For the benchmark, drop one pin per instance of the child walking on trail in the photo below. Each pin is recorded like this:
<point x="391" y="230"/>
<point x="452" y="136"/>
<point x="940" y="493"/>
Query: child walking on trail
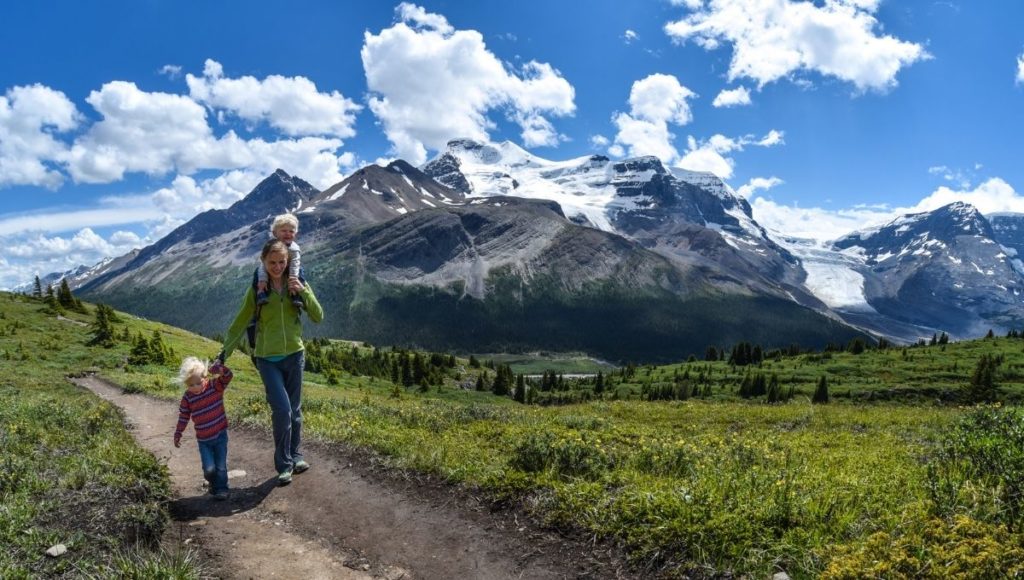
<point x="284" y="228"/>
<point x="203" y="402"/>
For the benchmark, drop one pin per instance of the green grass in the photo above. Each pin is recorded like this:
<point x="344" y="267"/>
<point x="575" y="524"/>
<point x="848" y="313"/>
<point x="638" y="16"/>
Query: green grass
<point x="919" y="374"/>
<point x="858" y="488"/>
<point x="69" y="471"/>
<point x="537" y="363"/>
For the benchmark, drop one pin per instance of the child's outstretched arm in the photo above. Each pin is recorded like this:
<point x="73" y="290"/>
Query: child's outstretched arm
<point x="184" y="413"/>
<point x="224" y="375"/>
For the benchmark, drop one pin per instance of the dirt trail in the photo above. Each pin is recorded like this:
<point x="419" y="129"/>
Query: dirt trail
<point x="337" y="520"/>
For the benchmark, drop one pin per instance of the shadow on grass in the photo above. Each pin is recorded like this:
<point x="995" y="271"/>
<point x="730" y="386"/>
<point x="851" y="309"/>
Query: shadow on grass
<point x="242" y="499"/>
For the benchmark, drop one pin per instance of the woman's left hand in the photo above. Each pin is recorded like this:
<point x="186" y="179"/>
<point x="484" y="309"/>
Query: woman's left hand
<point x="294" y="285"/>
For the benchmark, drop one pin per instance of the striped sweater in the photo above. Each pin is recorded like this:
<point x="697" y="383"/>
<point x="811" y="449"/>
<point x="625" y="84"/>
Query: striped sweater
<point x="205" y="408"/>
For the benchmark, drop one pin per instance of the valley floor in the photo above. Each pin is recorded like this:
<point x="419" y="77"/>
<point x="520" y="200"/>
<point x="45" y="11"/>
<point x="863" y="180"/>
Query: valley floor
<point x="341" y="519"/>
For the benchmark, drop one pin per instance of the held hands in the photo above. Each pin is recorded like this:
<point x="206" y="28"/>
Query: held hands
<point x="294" y="285"/>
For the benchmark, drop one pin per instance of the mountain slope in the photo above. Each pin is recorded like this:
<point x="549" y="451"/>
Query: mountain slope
<point x="396" y="257"/>
<point x="941" y="269"/>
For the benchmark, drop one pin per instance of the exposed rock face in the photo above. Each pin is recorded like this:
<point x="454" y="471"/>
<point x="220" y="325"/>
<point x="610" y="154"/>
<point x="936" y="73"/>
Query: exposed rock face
<point x="942" y="269"/>
<point x="395" y="257"/>
<point x="496" y="227"/>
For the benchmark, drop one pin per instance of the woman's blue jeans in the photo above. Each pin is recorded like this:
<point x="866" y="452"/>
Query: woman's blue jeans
<point x="214" y="455"/>
<point x="282" y="381"/>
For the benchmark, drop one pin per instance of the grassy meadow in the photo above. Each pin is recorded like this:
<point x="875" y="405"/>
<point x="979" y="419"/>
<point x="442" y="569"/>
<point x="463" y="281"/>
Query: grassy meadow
<point x="894" y="478"/>
<point x="69" y="471"/>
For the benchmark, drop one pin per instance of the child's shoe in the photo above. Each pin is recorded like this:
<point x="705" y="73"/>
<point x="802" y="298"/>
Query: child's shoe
<point x="297" y="302"/>
<point x="262" y="299"/>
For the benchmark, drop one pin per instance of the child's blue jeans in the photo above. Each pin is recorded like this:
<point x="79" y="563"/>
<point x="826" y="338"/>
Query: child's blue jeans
<point x="214" y="455"/>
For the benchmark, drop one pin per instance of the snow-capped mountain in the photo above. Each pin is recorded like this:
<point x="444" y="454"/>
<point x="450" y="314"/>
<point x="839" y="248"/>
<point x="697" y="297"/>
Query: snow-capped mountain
<point x="398" y="258"/>
<point x="691" y="217"/>
<point x="1008" y="229"/>
<point x="488" y="244"/>
<point x="941" y="269"/>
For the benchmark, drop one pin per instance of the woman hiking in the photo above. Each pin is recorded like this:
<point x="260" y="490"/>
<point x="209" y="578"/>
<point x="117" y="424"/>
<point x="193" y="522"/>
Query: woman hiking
<point x="279" y="353"/>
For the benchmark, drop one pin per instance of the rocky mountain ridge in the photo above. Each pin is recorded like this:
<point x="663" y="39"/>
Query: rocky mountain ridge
<point x="487" y="229"/>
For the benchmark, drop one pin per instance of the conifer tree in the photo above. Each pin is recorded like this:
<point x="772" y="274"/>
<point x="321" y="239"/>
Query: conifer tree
<point x="821" y="396"/>
<point x="64" y="297"/>
<point x="102" y="330"/>
<point x="158" y="352"/>
<point x="982" y="388"/>
<point x="139" y="355"/>
<point x="50" y="300"/>
<point x="774" y="392"/>
<point x="747" y="386"/>
<point x="37" y="289"/>
<point x="599" y="384"/>
<point x="503" y="379"/>
<point x="407" y="377"/>
<point x="519" y="394"/>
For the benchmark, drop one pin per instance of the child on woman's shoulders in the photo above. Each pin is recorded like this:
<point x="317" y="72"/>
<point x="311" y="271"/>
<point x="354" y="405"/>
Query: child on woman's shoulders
<point x="285" y="227"/>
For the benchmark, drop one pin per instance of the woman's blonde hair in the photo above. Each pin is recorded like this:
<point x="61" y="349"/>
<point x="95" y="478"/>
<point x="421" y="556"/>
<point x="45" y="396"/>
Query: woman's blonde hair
<point x="273" y="247"/>
<point x="191" y="367"/>
<point x="285" y="219"/>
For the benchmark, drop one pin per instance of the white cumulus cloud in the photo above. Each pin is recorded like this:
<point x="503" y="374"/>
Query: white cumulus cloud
<point x="773" y="39"/>
<point x="711" y="154"/>
<point x="422" y="54"/>
<point x="654" y="102"/>
<point x="1020" y="69"/>
<point x="152" y="133"/>
<point x="30" y="116"/>
<point x="757" y="184"/>
<point x="292" y="105"/>
<point x="737" y="97"/>
<point x="992" y="196"/>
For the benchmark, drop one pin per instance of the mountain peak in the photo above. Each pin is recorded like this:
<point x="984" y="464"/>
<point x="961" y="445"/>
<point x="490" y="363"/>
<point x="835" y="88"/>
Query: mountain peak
<point x="916" y="232"/>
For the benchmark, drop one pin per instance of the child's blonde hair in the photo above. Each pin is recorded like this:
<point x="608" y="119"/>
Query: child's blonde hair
<point x="191" y="367"/>
<point x="285" y="219"/>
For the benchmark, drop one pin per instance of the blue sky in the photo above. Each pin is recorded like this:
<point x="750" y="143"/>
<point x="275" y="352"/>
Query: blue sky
<point x="121" y="120"/>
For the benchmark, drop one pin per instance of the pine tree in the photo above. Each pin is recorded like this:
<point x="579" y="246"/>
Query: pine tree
<point x="747" y="386"/>
<point x="64" y="297"/>
<point x="102" y="330"/>
<point x="158" y="352"/>
<point x="407" y="378"/>
<point x="50" y="300"/>
<point x="37" y="289"/>
<point x="599" y="384"/>
<point x="774" y="392"/>
<point x="519" y="394"/>
<point x="821" y="393"/>
<point x="503" y="379"/>
<point x="982" y="388"/>
<point x="856" y="346"/>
